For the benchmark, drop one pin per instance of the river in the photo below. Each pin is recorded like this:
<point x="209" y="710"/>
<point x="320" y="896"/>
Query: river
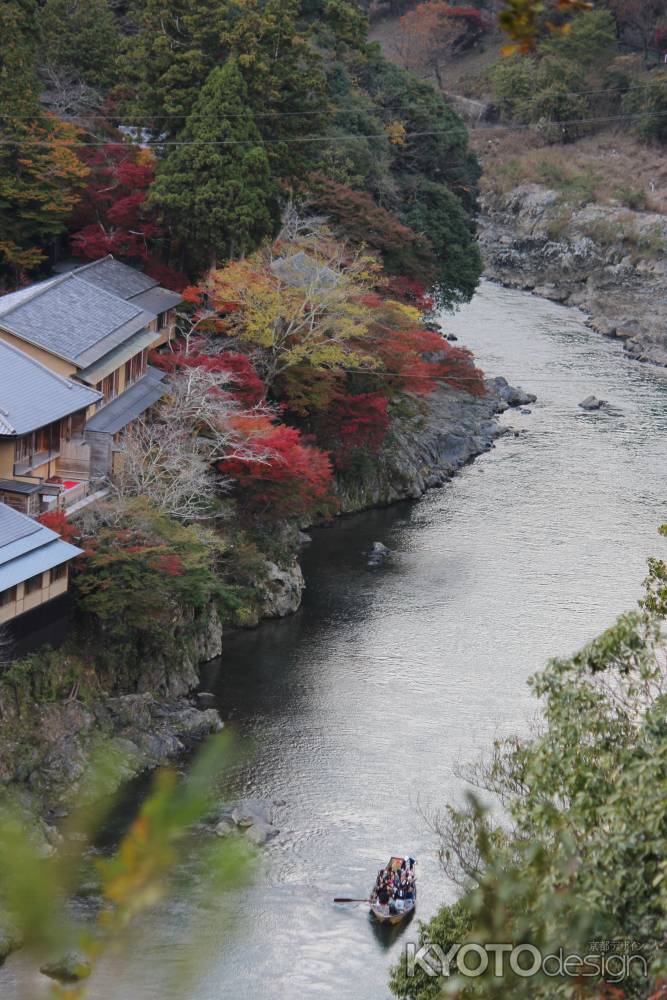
<point x="363" y="704"/>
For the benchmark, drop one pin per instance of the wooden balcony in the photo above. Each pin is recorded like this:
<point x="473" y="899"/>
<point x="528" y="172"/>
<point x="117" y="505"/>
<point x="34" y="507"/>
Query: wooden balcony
<point x="74" y="460"/>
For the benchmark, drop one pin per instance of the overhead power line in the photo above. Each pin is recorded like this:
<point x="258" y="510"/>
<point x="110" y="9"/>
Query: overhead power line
<point x="335" y="138"/>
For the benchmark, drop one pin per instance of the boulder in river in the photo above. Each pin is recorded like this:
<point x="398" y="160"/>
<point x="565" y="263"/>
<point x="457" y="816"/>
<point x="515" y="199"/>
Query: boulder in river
<point x="509" y="394"/>
<point x="205" y="699"/>
<point x="262" y="833"/>
<point x="10" y="940"/>
<point x="251" y="818"/>
<point x="70" y="968"/>
<point x="379" y="554"/>
<point x="225" y="827"/>
<point x="248" y="813"/>
<point x="592" y="403"/>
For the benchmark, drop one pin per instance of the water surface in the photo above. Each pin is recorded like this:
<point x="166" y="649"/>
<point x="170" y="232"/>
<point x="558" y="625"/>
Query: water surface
<point x="363" y="704"/>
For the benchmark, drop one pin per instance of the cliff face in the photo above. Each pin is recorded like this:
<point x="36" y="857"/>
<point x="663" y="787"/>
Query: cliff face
<point x="607" y="260"/>
<point x="425" y="448"/>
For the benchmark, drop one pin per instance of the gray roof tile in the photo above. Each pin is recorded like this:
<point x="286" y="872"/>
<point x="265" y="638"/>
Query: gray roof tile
<point x="116" y="277"/>
<point x="84" y="313"/>
<point x="129" y="405"/>
<point x="16" y="527"/>
<point x="71" y="317"/>
<point x="31" y="395"/>
<point x="28" y="548"/>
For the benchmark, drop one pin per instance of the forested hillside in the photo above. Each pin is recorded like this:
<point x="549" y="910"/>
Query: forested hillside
<point x="170" y="133"/>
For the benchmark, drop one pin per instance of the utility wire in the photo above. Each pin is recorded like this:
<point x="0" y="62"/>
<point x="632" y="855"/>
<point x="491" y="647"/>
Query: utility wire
<point x="334" y="138"/>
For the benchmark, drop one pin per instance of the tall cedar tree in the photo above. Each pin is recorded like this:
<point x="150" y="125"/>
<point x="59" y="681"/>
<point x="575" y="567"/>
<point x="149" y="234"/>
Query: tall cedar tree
<point x="40" y="173"/>
<point x="215" y="190"/>
<point x="178" y="42"/>
<point x="81" y="38"/>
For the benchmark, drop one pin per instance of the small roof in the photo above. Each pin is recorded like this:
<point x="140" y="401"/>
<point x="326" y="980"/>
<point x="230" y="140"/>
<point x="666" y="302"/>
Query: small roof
<point x="115" y="277"/>
<point x="84" y="313"/>
<point x="28" y="548"/>
<point x="100" y="369"/>
<point x="157" y="300"/>
<point x="302" y="271"/>
<point x="18" y="486"/>
<point x="32" y="395"/>
<point x="72" y="319"/>
<point x="129" y="405"/>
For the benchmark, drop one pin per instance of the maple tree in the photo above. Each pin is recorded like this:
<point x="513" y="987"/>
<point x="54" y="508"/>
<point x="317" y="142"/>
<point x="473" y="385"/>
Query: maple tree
<point x="359" y="218"/>
<point x="354" y="423"/>
<point x="58" y="521"/>
<point x="244" y="382"/>
<point x="295" y="480"/>
<point x="113" y="215"/>
<point x="298" y="302"/>
<point x="433" y="32"/>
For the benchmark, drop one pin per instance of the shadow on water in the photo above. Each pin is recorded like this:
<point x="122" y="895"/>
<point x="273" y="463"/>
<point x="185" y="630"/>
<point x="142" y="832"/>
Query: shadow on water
<point x="386" y="935"/>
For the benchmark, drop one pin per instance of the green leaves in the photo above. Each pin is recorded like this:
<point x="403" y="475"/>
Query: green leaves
<point x="580" y="851"/>
<point x="141" y="873"/>
<point x="215" y="190"/>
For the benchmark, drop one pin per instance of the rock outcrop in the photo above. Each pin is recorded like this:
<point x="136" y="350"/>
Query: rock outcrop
<point x="606" y="259"/>
<point x="447" y="429"/>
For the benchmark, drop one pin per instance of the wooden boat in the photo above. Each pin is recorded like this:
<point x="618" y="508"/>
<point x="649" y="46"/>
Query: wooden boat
<point x="396" y="910"/>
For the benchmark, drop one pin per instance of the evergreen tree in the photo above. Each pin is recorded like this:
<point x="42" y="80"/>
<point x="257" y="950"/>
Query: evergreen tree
<point x="215" y="190"/>
<point x="177" y="43"/>
<point x="40" y="173"/>
<point x="80" y="37"/>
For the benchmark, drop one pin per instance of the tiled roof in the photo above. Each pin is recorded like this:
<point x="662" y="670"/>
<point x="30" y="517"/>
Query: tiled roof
<point x="18" y="532"/>
<point x="83" y="314"/>
<point x="129" y="405"/>
<point x="31" y="395"/>
<point x="28" y="548"/>
<point x="116" y="277"/>
<point x="157" y="300"/>
<point x="45" y="557"/>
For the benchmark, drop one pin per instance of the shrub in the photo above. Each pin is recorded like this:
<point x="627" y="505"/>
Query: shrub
<point x="634" y="198"/>
<point x="57" y="521"/>
<point x="649" y="105"/>
<point x="140" y="572"/>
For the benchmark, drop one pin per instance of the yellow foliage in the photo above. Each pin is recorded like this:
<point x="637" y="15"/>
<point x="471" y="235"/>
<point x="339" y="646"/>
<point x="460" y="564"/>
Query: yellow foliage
<point x="397" y="132"/>
<point x="299" y="301"/>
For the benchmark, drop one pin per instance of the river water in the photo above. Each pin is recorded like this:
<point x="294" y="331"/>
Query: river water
<point x="362" y="706"/>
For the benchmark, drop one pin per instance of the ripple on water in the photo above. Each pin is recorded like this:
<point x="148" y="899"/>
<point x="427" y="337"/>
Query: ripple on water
<point x="366" y="702"/>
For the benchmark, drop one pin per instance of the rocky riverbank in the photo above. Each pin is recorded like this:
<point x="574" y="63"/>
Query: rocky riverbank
<point x="45" y="747"/>
<point x="606" y="259"/>
<point x="432" y="438"/>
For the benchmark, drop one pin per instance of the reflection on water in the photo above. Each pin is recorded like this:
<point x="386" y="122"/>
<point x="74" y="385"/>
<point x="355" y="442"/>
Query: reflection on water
<point x="359" y="707"/>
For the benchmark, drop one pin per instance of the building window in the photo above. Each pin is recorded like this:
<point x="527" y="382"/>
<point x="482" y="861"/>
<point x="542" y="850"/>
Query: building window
<point x="33" y="584"/>
<point x="72" y="427"/>
<point x="109" y="386"/>
<point x="7" y="597"/>
<point x="31" y="449"/>
<point x="58" y="572"/>
<point x="135" y="367"/>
